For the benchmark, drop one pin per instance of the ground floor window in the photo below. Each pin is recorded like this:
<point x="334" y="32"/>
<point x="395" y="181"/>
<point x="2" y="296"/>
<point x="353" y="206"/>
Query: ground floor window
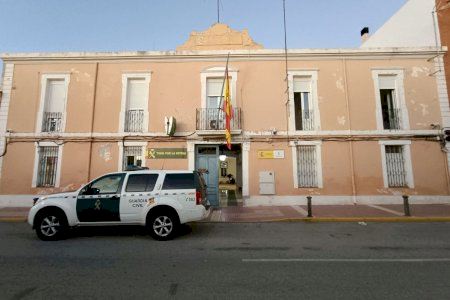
<point x="132" y="156"/>
<point x="47" y="166"/>
<point x="395" y="166"/>
<point x="307" y="168"/>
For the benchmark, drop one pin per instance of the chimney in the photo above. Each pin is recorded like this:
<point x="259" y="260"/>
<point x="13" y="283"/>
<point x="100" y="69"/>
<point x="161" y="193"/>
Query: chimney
<point x="364" y="34"/>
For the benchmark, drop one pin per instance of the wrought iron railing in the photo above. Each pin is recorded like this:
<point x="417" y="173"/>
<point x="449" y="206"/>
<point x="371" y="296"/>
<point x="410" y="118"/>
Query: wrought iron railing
<point x="52" y="122"/>
<point x="134" y="120"/>
<point x="214" y="119"/>
<point x="48" y="163"/>
<point x="308" y="120"/>
<point x="391" y="119"/>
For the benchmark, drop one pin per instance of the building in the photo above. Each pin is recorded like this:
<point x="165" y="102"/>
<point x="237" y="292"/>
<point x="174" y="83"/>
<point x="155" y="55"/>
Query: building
<point x="348" y="126"/>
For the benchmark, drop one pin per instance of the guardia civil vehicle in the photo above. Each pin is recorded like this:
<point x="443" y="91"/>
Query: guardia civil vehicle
<point x="160" y="200"/>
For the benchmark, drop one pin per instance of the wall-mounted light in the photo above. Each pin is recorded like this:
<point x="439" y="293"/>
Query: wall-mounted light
<point x="222" y="157"/>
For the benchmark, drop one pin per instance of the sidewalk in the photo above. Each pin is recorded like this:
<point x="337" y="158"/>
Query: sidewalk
<point x="293" y="213"/>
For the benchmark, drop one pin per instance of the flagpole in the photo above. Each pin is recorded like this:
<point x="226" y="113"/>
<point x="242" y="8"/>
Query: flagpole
<point x="221" y="92"/>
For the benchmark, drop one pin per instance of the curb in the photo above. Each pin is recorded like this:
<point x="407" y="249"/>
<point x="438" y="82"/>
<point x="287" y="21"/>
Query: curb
<point x="365" y="219"/>
<point x="13" y="219"/>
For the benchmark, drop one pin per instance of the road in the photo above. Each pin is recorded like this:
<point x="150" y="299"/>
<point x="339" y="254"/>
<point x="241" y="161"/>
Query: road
<point x="231" y="261"/>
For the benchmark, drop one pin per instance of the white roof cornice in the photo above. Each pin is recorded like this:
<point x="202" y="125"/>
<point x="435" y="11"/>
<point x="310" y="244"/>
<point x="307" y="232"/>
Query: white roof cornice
<point x="212" y="54"/>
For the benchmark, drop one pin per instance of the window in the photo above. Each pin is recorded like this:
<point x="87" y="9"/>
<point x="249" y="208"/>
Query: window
<point x="391" y="108"/>
<point x="304" y="111"/>
<point x="135" y="92"/>
<point x="53" y="103"/>
<point x="141" y="182"/>
<point x="47" y="166"/>
<point x="132" y="156"/>
<point x="209" y="115"/>
<point x="109" y="184"/>
<point x="395" y="166"/>
<point x="307" y="166"/>
<point x="396" y="163"/>
<point x="303" y="101"/>
<point x="179" y="181"/>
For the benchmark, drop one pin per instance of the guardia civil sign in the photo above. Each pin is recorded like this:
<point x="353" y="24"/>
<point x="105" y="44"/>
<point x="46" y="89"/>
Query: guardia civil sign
<point x="162" y="153"/>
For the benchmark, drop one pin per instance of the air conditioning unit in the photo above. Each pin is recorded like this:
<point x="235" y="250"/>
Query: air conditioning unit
<point x="213" y="124"/>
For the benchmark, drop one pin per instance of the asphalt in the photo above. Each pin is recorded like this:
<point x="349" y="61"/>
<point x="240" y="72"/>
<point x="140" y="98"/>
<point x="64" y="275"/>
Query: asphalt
<point x="231" y="260"/>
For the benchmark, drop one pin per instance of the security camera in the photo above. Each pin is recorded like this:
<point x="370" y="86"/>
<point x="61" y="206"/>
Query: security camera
<point x="435" y="126"/>
<point x="274" y="131"/>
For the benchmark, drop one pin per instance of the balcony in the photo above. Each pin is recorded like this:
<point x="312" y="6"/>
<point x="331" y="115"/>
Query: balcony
<point x="52" y="122"/>
<point x="391" y="119"/>
<point x="212" y="120"/>
<point x="134" y="120"/>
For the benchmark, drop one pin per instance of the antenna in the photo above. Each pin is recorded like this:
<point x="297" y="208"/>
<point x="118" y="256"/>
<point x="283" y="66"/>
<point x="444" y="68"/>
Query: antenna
<point x="218" y="12"/>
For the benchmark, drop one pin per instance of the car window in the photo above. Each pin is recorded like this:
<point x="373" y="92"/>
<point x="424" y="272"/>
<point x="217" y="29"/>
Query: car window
<point x="179" y="181"/>
<point x="109" y="184"/>
<point x="141" y="182"/>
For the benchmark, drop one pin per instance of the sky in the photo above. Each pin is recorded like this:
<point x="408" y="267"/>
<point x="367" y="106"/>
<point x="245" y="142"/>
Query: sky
<point x="129" y="25"/>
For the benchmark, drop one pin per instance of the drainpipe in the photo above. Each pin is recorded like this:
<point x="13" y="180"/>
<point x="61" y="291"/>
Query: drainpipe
<point x="347" y="102"/>
<point x="92" y="122"/>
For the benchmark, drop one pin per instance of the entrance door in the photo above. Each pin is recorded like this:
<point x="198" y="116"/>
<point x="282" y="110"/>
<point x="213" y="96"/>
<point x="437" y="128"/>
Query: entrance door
<point x="99" y="201"/>
<point x="207" y="157"/>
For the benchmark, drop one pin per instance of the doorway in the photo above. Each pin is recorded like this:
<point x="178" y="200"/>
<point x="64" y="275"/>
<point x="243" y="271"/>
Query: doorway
<point x="224" y="176"/>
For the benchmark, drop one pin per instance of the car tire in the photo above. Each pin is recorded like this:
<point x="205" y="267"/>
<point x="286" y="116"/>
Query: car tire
<point x="162" y="225"/>
<point x="51" y="225"/>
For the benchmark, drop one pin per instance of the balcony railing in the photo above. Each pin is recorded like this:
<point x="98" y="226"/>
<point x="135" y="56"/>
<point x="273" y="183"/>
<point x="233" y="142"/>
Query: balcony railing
<point x="52" y="122"/>
<point x="391" y="119"/>
<point x="134" y="120"/>
<point x="307" y="120"/>
<point x="214" y="119"/>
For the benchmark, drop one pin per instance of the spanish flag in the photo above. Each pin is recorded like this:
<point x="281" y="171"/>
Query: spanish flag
<point x="228" y="109"/>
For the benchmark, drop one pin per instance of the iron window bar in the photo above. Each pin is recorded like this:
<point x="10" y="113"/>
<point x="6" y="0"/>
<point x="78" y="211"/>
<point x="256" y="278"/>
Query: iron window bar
<point x="52" y="122"/>
<point x="134" y="120"/>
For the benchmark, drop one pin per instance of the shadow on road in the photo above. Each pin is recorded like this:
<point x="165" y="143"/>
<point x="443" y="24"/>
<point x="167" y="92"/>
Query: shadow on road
<point x="119" y="231"/>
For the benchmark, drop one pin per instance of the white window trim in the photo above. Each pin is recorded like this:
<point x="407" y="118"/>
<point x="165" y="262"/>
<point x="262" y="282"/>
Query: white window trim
<point x="313" y="74"/>
<point x="126" y="144"/>
<point x="399" y="95"/>
<point x="44" y="80"/>
<point x="36" y="162"/>
<point x="218" y="72"/>
<point x="318" y="145"/>
<point x="407" y="157"/>
<point x="123" y="103"/>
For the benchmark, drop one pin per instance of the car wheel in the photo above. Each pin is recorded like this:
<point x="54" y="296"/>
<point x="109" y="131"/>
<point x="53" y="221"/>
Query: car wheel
<point x="162" y="225"/>
<point x="51" y="225"/>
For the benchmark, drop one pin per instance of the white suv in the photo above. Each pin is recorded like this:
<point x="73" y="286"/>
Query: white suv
<point x="159" y="200"/>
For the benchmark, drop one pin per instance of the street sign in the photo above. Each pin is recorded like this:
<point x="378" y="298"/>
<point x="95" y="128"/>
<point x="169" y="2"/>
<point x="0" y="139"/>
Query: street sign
<point x="162" y="153"/>
<point x="270" y="154"/>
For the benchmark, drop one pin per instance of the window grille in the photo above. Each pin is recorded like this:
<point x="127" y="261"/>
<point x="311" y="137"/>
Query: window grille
<point x="132" y="156"/>
<point x="51" y="122"/>
<point x="48" y="163"/>
<point x="307" y="166"/>
<point x="134" y="120"/>
<point x="395" y="166"/>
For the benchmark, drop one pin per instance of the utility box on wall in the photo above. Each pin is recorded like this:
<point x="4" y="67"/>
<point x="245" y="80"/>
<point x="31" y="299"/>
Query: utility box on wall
<point x="266" y="183"/>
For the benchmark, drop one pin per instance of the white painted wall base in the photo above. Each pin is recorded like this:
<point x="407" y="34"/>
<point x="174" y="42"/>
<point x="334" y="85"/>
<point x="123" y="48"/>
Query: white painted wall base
<point x="342" y="200"/>
<point x="17" y="200"/>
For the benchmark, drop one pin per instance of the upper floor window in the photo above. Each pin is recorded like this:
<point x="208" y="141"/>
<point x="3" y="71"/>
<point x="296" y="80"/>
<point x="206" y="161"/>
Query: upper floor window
<point x="391" y="108"/>
<point x="304" y="111"/>
<point x="303" y="105"/>
<point x="52" y="108"/>
<point x="134" y="113"/>
<point x="210" y="116"/>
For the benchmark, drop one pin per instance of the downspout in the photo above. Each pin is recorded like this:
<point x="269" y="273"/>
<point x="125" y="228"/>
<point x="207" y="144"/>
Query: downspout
<point x="347" y="102"/>
<point x="92" y="122"/>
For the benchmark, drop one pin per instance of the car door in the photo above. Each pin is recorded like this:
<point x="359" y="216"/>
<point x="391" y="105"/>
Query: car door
<point x="99" y="201"/>
<point x="137" y="195"/>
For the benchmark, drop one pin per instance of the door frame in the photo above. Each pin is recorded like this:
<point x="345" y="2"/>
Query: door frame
<point x="245" y="149"/>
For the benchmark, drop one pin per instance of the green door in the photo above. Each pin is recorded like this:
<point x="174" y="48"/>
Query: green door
<point x="99" y="201"/>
